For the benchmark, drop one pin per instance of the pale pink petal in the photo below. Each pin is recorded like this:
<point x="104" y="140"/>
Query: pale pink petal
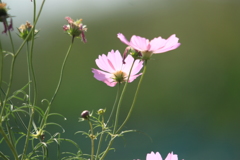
<point x="139" y="43"/>
<point x="128" y="63"/>
<point x="123" y="39"/>
<point x="103" y="63"/>
<point x="171" y="43"/>
<point x="103" y="76"/>
<point x="137" y="67"/>
<point x="116" y="59"/>
<point x="157" y="43"/>
<point x="171" y="156"/>
<point x="133" y="77"/>
<point x="153" y="156"/>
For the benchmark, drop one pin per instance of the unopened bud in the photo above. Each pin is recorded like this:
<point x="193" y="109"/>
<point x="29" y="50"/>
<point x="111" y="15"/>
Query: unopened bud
<point x="101" y="111"/>
<point x="85" y="114"/>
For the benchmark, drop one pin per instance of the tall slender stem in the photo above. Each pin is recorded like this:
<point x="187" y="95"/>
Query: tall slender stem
<point x="11" y="146"/>
<point x="61" y="74"/>
<point x="121" y="98"/>
<point x="92" y="137"/>
<point x="31" y="110"/>
<point x="29" y="74"/>
<point x="31" y="56"/>
<point x="135" y="97"/>
<point x="107" y="149"/>
<point x="115" y="102"/>
<point x="117" y="113"/>
<point x="14" y="58"/>
<point x="100" y="139"/>
<point x="1" y="70"/>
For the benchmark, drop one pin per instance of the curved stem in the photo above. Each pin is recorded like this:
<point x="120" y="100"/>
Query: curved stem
<point x="100" y="139"/>
<point x="31" y="54"/>
<point x="92" y="137"/>
<point x="115" y="102"/>
<point x="29" y="74"/>
<point x="11" y="146"/>
<point x="13" y="61"/>
<point x="1" y="69"/>
<point x="107" y="149"/>
<point x="121" y="98"/>
<point x="31" y="110"/>
<point x="61" y="74"/>
<point x="135" y="97"/>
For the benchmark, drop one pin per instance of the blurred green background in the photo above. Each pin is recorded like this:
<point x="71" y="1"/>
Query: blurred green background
<point x="190" y="97"/>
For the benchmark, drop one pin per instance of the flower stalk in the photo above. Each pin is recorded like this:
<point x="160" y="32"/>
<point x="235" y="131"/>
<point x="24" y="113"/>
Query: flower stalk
<point x="135" y="98"/>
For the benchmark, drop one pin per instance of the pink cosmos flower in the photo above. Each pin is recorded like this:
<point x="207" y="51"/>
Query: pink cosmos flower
<point x="113" y="71"/>
<point x="157" y="156"/>
<point x="147" y="48"/>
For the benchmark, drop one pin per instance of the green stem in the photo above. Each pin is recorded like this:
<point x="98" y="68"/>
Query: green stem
<point x="31" y="110"/>
<point x="11" y="146"/>
<point x="100" y="139"/>
<point x="117" y="114"/>
<point x="92" y="137"/>
<point x="121" y="98"/>
<point x="1" y="70"/>
<point x="13" y="62"/>
<point x="1" y="62"/>
<point x="135" y="97"/>
<point x="107" y="149"/>
<point x="31" y="55"/>
<point x="29" y="74"/>
<point x="115" y="102"/>
<point x="61" y="74"/>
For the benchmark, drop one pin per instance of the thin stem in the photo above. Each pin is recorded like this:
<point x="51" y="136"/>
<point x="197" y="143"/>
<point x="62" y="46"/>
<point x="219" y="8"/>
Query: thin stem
<point x="11" y="146"/>
<point x="117" y="113"/>
<point x="31" y="110"/>
<point x="1" y="70"/>
<point x="1" y="63"/>
<point x="121" y="98"/>
<point x="115" y="102"/>
<point x="13" y="61"/>
<point x="61" y="74"/>
<point x="92" y="137"/>
<point x="8" y="88"/>
<point x="100" y="139"/>
<point x="31" y="55"/>
<point x="29" y="74"/>
<point x="135" y="97"/>
<point x="107" y="149"/>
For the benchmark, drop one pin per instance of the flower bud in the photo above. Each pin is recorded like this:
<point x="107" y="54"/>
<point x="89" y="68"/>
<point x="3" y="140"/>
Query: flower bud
<point x="85" y="114"/>
<point x="101" y="111"/>
<point x="24" y="30"/>
<point x="75" y="28"/>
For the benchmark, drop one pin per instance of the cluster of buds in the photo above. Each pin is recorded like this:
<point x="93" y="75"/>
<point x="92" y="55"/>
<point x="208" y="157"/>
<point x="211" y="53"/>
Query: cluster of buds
<point x="3" y="17"/>
<point x="86" y="114"/>
<point x="24" y="31"/>
<point x="75" y="29"/>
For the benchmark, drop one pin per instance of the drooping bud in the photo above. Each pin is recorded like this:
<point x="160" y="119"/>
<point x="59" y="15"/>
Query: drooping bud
<point x="85" y="114"/>
<point x="75" y="29"/>
<point x="24" y="31"/>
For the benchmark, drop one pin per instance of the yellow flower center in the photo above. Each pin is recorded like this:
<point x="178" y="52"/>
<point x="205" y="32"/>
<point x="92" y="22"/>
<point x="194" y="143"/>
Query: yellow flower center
<point x="120" y="76"/>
